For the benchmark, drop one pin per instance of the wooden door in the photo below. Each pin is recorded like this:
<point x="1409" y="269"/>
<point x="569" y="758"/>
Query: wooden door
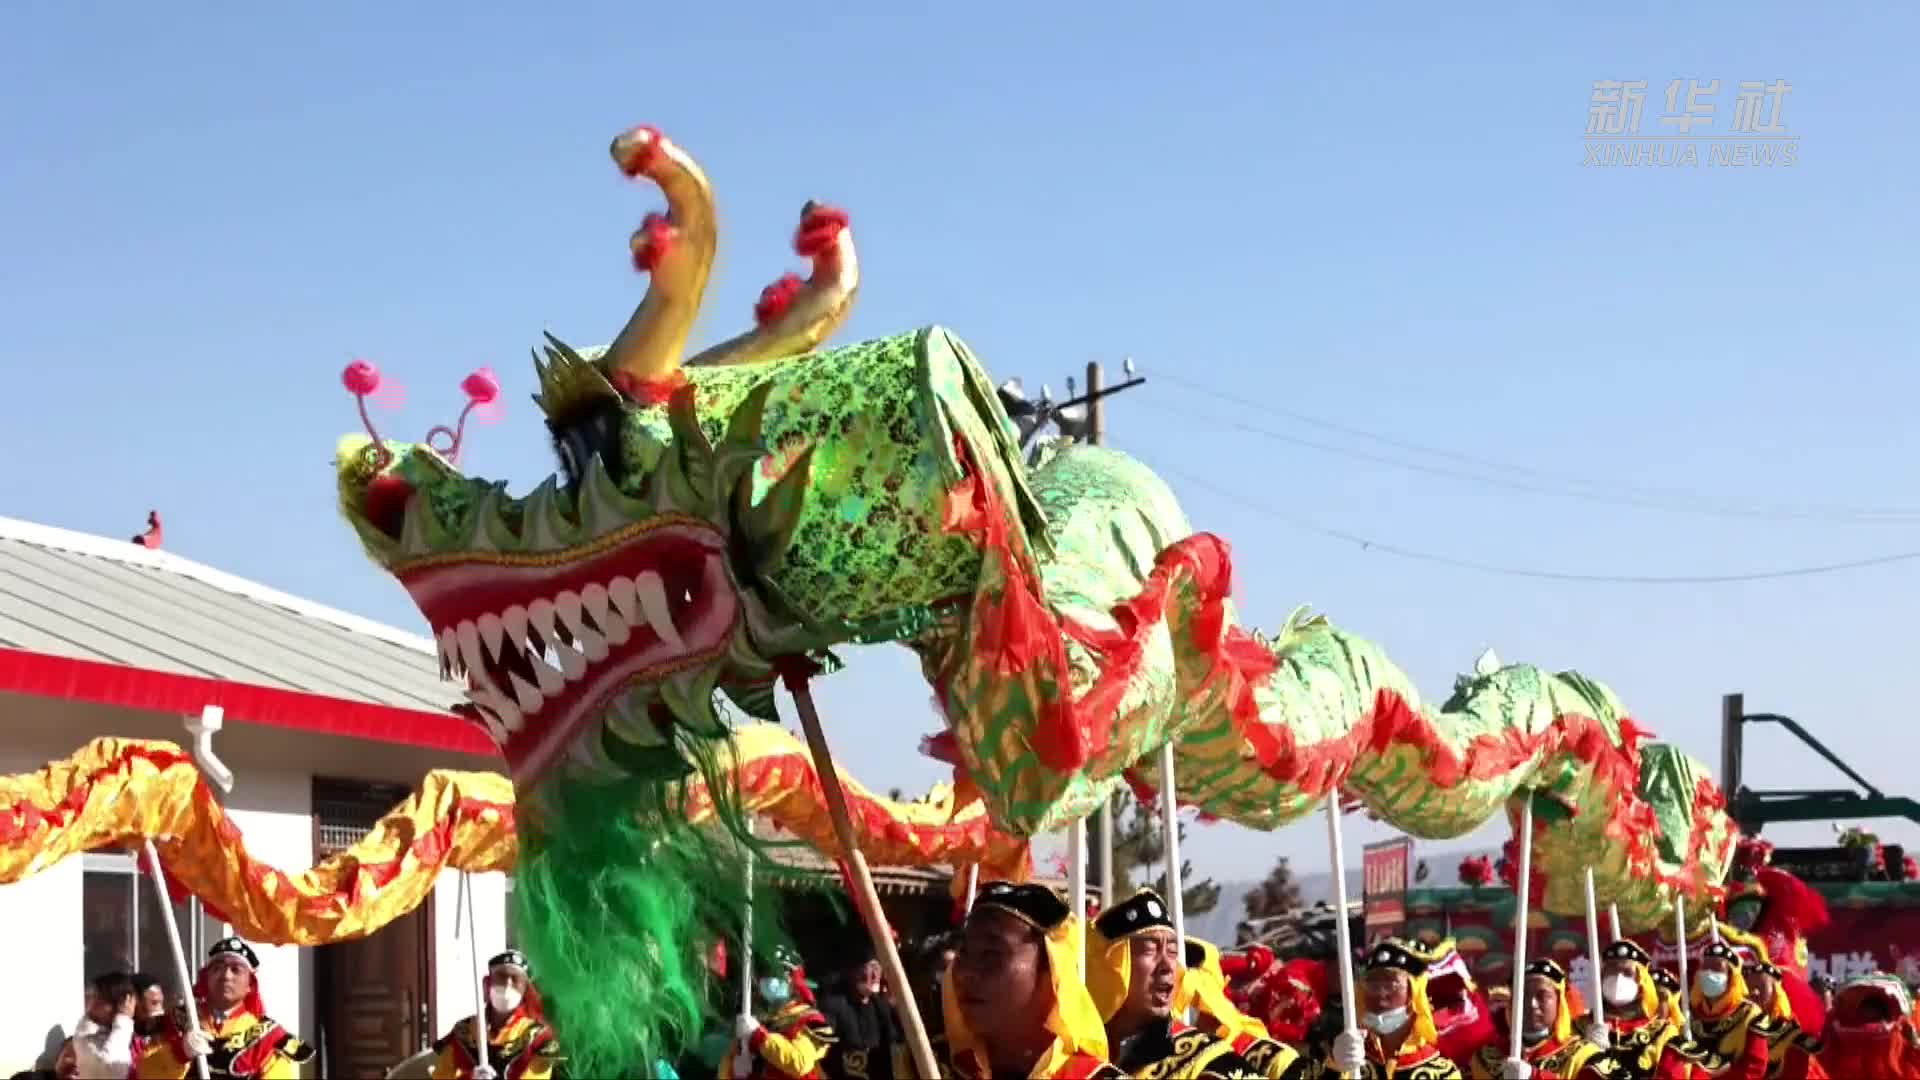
<point x="373" y="995"/>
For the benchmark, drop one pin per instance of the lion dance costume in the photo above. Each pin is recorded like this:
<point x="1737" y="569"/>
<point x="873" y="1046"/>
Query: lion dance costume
<point x="1870" y="1034"/>
<point x="718" y="522"/>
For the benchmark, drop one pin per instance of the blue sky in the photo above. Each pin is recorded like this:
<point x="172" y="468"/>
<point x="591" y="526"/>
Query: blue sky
<point x="1381" y="222"/>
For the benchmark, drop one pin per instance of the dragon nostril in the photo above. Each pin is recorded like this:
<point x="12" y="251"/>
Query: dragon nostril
<point x="386" y="503"/>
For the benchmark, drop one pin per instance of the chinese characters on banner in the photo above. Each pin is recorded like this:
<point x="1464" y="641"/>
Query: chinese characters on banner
<point x="1693" y="128"/>
<point x="1386" y="873"/>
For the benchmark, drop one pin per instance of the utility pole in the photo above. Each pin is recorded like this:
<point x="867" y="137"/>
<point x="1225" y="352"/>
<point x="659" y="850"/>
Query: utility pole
<point x="1082" y="418"/>
<point x="1103" y="824"/>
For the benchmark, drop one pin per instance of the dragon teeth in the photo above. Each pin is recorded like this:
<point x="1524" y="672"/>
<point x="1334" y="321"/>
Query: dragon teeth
<point x="595" y="618"/>
<point x="653" y="605"/>
<point x="493" y="632"/>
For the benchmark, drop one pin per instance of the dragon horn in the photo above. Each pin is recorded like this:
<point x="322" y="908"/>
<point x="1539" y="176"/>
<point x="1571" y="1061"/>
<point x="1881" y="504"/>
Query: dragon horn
<point x="793" y="316"/>
<point x="676" y="250"/>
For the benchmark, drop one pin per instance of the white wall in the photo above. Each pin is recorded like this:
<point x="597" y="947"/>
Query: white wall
<point x="42" y="996"/>
<point x="456" y="975"/>
<point x="274" y="811"/>
<point x="40" y="916"/>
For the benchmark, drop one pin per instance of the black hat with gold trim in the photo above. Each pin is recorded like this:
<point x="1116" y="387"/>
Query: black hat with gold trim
<point x="1075" y="1024"/>
<point x="1548" y="969"/>
<point x="1143" y="910"/>
<point x="511" y="959"/>
<point x="1628" y="950"/>
<point x="1397" y="954"/>
<point x="1035" y="904"/>
<point x="1720" y="950"/>
<point x="1666" y="980"/>
<point x="234" y="947"/>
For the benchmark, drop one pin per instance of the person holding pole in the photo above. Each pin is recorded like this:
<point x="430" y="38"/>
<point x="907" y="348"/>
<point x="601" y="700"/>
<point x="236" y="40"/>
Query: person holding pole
<point x="1548" y="1045"/>
<point x="520" y="1045"/>
<point x="1399" y="1042"/>
<point x="235" y="1035"/>
<point x="1723" y="1018"/>
<point x="794" y="1039"/>
<point x="1134" y="962"/>
<point x="1647" y="1036"/>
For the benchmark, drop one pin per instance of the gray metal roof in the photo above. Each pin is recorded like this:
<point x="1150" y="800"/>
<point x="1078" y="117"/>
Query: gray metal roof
<point x="112" y="601"/>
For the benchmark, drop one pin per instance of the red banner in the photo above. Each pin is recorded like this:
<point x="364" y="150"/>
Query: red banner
<point x="1387" y="872"/>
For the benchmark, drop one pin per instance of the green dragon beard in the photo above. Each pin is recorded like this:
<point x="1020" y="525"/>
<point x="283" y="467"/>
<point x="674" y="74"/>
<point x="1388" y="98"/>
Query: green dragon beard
<point x="617" y="910"/>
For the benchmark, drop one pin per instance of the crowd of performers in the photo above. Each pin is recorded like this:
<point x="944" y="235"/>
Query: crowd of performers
<point x="1015" y="1004"/>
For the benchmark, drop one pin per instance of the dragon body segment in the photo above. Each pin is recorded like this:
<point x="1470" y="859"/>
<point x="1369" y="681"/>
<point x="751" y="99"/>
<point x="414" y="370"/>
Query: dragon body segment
<point x="717" y="523"/>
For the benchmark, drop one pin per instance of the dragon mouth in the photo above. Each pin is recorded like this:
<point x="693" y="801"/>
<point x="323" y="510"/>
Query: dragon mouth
<point x="546" y="642"/>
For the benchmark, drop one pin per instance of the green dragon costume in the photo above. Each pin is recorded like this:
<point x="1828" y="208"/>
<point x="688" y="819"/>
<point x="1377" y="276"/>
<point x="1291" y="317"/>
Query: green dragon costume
<point x="719" y="523"/>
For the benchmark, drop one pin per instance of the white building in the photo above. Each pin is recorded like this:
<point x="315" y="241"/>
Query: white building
<point x="329" y="721"/>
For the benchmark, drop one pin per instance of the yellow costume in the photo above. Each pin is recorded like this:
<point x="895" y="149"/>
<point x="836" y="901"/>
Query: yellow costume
<point x="1419" y="1056"/>
<point x="1164" y="1047"/>
<point x="1203" y="987"/>
<point x="523" y="1048"/>
<point x="1079" y="1047"/>
<point x="1561" y="1053"/>
<point x="245" y="1043"/>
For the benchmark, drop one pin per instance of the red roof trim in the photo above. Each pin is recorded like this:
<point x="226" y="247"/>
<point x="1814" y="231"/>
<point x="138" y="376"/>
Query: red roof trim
<point x="24" y="672"/>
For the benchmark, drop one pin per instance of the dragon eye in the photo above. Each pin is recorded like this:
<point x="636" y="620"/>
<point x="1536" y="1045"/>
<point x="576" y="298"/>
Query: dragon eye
<point x="581" y="438"/>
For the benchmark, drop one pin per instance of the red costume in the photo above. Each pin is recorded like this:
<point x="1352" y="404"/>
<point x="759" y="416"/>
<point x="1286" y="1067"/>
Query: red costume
<point x="1870" y="1033"/>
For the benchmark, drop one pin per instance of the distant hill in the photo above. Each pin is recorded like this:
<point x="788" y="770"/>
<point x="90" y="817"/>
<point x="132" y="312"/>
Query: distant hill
<point x="1217" y="925"/>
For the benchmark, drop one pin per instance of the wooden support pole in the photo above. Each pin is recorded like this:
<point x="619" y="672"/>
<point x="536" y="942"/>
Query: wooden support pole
<point x="868" y="897"/>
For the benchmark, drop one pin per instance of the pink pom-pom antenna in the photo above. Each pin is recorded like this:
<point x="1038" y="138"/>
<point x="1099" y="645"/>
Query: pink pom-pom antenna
<point x="362" y="380"/>
<point x="483" y="401"/>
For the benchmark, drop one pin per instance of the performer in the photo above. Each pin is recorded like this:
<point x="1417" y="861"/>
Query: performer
<point x="1724" y="1021"/>
<point x="1133" y="973"/>
<point x="1547" y="1041"/>
<point x="1400" y="1042"/>
<point x="520" y="1045"/>
<point x="1645" y="1034"/>
<point x="794" y="1039"/>
<point x="1791" y="1048"/>
<point x="1012" y="1001"/>
<point x="1870" y="1032"/>
<point x="1669" y="986"/>
<point x="236" y="1036"/>
<point x="1203" y="987"/>
<point x="1462" y="1016"/>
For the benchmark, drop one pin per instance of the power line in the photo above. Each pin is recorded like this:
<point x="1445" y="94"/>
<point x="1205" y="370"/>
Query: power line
<point x="1674" y="501"/>
<point x="1367" y="544"/>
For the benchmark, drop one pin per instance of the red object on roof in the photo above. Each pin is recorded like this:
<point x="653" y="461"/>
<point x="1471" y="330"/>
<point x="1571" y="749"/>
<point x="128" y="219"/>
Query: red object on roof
<point x="151" y="538"/>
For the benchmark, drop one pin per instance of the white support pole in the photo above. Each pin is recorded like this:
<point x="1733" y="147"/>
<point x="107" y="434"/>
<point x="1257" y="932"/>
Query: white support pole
<point x="1593" y="952"/>
<point x="1349" y="1006"/>
<point x="1106" y="852"/>
<point x="1077" y="877"/>
<point x="1680" y="936"/>
<point x="179" y="951"/>
<point x="1522" y="888"/>
<point x="746" y="949"/>
<point x="481" y="1043"/>
<point x="1170" y="821"/>
<point x="973" y="884"/>
<point x="1613" y="915"/>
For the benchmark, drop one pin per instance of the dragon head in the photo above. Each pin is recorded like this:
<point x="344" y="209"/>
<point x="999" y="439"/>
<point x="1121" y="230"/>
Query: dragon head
<point x="592" y="621"/>
<point x="611" y="593"/>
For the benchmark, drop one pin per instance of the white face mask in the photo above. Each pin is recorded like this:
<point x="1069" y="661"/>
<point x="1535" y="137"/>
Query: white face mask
<point x="1713" y="983"/>
<point x="1533" y="1035"/>
<point x="1621" y="990"/>
<point x="1386" y="1023"/>
<point x="504" y="999"/>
